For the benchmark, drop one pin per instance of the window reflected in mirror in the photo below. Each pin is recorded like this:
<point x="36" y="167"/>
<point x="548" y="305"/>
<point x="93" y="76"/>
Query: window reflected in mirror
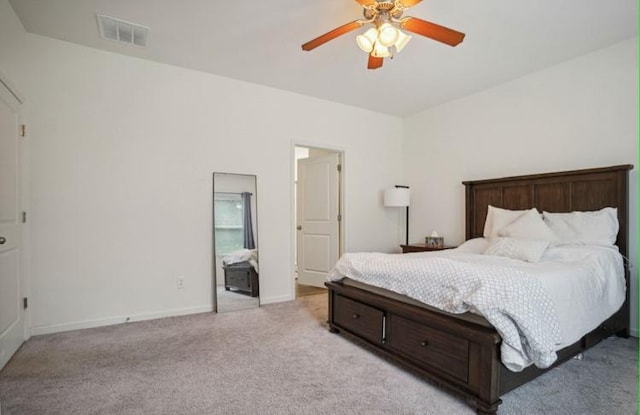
<point x="229" y="226"/>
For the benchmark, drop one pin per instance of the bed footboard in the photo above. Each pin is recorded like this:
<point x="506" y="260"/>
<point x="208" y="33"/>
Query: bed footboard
<point x="457" y="355"/>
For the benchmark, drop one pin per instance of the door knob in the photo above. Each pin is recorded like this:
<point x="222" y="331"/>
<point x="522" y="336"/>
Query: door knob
<point x="2" y="240"/>
<point x="299" y="227"/>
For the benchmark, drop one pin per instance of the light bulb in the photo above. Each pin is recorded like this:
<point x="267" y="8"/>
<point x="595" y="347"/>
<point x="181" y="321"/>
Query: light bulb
<point x="387" y="34"/>
<point x="402" y="41"/>
<point x="367" y="39"/>
<point x="380" y="51"/>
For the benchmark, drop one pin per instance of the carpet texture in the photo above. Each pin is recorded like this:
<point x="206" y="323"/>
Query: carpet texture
<point x="278" y="359"/>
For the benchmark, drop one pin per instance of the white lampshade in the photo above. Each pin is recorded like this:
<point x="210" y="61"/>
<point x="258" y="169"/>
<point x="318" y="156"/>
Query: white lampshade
<point x="367" y="39"/>
<point x="397" y="197"/>
<point x="402" y="41"/>
<point x="380" y="51"/>
<point x="387" y="34"/>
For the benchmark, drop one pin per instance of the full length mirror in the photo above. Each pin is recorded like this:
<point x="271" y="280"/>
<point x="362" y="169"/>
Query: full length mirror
<point x="235" y="242"/>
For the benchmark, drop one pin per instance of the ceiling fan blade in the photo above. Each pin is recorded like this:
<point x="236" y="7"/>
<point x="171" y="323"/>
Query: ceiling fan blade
<point x="365" y="3"/>
<point x="431" y="30"/>
<point x="339" y="31"/>
<point x="374" y="63"/>
<point x="409" y="3"/>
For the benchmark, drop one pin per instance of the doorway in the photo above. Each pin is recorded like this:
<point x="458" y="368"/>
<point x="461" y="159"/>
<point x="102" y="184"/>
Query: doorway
<point x="318" y="216"/>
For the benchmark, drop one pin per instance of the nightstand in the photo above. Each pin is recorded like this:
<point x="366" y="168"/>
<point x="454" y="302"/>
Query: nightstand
<point x="242" y="278"/>
<point x="421" y="248"/>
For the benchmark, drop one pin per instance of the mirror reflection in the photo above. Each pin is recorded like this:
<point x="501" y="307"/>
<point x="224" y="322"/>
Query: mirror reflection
<point x="236" y="270"/>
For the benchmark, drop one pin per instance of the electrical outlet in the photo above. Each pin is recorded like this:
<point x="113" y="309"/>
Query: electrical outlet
<point x="180" y="282"/>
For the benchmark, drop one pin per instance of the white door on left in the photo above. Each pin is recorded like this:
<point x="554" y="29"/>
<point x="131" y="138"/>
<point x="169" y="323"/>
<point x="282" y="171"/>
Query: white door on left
<point x="12" y="319"/>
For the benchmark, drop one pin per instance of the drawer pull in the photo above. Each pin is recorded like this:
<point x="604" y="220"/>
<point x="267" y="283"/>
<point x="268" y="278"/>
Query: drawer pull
<point x="424" y="343"/>
<point x="356" y="315"/>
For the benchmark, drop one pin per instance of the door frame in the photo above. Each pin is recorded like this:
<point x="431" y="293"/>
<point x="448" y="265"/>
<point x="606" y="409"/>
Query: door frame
<point x="342" y="191"/>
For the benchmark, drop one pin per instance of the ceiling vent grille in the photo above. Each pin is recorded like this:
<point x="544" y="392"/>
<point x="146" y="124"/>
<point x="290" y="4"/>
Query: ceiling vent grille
<point x="121" y="31"/>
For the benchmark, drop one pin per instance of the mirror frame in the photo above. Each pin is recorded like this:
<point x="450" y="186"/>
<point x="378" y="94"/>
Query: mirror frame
<point x="214" y="267"/>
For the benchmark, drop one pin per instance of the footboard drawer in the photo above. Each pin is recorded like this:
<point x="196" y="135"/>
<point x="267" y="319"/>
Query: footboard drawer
<point x="605" y="329"/>
<point x="429" y="347"/>
<point x="358" y="318"/>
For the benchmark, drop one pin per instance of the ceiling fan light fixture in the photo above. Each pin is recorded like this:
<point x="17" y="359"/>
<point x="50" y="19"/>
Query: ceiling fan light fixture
<point x="387" y="34"/>
<point x="387" y="38"/>
<point x="380" y="51"/>
<point x="403" y="40"/>
<point x="367" y="39"/>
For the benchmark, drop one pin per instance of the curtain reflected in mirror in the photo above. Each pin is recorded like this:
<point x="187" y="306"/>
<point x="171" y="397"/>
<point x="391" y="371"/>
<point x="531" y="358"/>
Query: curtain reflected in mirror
<point x="236" y="268"/>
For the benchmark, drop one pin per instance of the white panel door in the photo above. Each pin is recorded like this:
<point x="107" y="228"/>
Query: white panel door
<point x="12" y="328"/>
<point x="317" y="213"/>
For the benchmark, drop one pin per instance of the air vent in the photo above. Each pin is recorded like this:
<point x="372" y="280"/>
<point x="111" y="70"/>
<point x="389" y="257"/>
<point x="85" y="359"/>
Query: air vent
<point x="121" y="31"/>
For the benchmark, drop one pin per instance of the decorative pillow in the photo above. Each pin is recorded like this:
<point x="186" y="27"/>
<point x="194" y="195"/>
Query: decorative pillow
<point x="587" y="228"/>
<point x="498" y="218"/>
<point x="530" y="250"/>
<point x="528" y="226"/>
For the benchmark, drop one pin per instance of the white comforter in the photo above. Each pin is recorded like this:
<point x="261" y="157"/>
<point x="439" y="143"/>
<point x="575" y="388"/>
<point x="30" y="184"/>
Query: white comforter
<point x="537" y="308"/>
<point x="241" y="255"/>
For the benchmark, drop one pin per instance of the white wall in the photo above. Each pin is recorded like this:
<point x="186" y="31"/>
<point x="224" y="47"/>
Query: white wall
<point x="579" y="114"/>
<point x="123" y="155"/>
<point x="12" y="46"/>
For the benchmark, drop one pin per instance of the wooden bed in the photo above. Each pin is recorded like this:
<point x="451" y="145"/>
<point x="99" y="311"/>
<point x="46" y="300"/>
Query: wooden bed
<point x="462" y="352"/>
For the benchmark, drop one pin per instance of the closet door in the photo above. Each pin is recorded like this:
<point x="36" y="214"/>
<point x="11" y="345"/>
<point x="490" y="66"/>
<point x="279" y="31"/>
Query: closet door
<point x="12" y="320"/>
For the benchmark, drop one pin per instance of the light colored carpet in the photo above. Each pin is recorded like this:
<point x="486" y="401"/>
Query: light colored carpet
<point x="277" y="359"/>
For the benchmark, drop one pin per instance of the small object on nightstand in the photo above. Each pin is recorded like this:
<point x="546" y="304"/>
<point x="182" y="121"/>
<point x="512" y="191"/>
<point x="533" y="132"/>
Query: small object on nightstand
<point x="434" y="241"/>
<point x="421" y="248"/>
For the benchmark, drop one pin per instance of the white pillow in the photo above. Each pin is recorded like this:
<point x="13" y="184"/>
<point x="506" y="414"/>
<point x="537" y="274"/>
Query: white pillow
<point x="528" y="226"/>
<point x="474" y="246"/>
<point x="498" y="218"/>
<point x="586" y="228"/>
<point x="530" y="250"/>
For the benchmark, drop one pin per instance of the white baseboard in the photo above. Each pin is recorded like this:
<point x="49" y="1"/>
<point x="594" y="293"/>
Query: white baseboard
<point x="86" y="324"/>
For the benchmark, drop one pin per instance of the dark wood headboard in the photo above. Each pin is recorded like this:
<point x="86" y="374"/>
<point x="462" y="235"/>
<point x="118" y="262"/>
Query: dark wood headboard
<point x="590" y="189"/>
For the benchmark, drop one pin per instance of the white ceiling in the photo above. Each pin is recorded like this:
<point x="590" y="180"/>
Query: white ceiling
<point x="259" y="42"/>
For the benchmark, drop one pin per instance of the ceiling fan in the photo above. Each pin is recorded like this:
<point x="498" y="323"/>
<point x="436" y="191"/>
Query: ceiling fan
<point x="387" y="38"/>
